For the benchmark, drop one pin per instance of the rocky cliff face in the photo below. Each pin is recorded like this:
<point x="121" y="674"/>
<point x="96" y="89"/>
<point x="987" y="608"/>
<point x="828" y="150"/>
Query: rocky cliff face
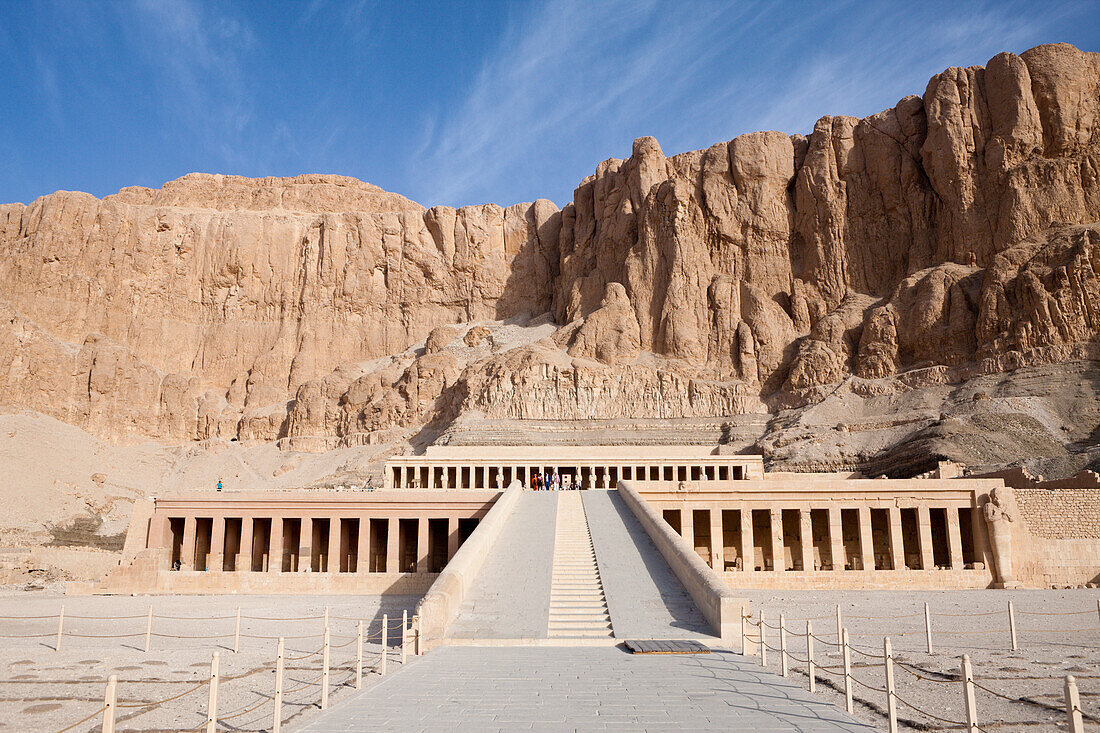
<point x="955" y="233"/>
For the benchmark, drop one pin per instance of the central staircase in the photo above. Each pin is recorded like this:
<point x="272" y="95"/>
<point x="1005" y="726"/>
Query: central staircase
<point x="578" y="608"/>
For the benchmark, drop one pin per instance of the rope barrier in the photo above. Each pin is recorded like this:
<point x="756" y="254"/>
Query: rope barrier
<point x="177" y="618"/>
<point x="256" y="636"/>
<point x="883" y="618"/>
<point x="302" y="687"/>
<point x="1061" y="631"/>
<point x="26" y="636"/>
<point x="223" y="718"/>
<point x="1056" y="613"/>
<point x="864" y="684"/>
<point x="903" y="701"/>
<point x="906" y="668"/>
<point x="967" y="615"/>
<point x="277" y="618"/>
<point x="100" y="636"/>
<point x="307" y="656"/>
<point x="114" y="618"/>
<point x="824" y="641"/>
<point x="181" y="636"/>
<point x="866" y="654"/>
<point x="83" y="720"/>
<point x="27" y="618"/>
<point x="158" y="703"/>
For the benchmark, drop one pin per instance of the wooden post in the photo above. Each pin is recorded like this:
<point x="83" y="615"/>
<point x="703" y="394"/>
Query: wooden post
<point x="418" y="649"/>
<point x="928" y="628"/>
<point x="839" y="624"/>
<point x="1012" y="624"/>
<point x="324" y="672"/>
<point x="237" y="632"/>
<point x="1073" y="706"/>
<point x="744" y="640"/>
<point x="763" y="641"/>
<point x="847" y="672"/>
<point x="1098" y="607"/>
<point x="326" y="617"/>
<point x="891" y="698"/>
<point x="359" y="657"/>
<point x="149" y="629"/>
<point x="277" y="721"/>
<point x="109" y="704"/>
<point x="404" y="636"/>
<point x="810" y="656"/>
<point x="385" y="633"/>
<point x="212" y="703"/>
<point x="968" y="695"/>
<point x="60" y="629"/>
<point x="783" y="642"/>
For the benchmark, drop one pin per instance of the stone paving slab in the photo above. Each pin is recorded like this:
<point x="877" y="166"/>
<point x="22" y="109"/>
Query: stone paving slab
<point x="582" y="688"/>
<point x="644" y="597"/>
<point x="510" y="598"/>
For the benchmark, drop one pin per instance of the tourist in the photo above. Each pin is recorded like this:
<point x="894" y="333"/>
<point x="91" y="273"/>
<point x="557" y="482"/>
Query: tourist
<point x="557" y="480"/>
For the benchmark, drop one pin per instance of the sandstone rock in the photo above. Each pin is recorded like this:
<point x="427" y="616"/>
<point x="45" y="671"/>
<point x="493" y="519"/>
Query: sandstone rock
<point x="475" y="336"/>
<point x="610" y="333"/>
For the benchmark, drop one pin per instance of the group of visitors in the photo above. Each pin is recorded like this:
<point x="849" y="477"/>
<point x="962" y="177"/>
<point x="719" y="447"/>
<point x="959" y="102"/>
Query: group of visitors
<point x="550" y="482"/>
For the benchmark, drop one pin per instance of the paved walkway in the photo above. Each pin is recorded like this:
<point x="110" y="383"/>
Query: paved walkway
<point x="510" y="598"/>
<point x="645" y="599"/>
<point x="582" y="688"/>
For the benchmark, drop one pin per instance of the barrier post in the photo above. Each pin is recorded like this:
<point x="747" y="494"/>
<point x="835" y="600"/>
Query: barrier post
<point x="324" y="672"/>
<point x="744" y="641"/>
<point x="212" y="703"/>
<point x="763" y="641"/>
<point x="277" y="721"/>
<point x="109" y="704"/>
<point x="1073" y="706"/>
<point x="1098" y="607"/>
<point x="237" y="633"/>
<point x="810" y="656"/>
<point x="891" y="699"/>
<point x="927" y="628"/>
<point x="839" y="624"/>
<point x="359" y="657"/>
<point x="783" y="642"/>
<point x="847" y="672"/>
<point x="417" y="649"/>
<point x="404" y="636"/>
<point x="149" y="629"/>
<point x="60" y="628"/>
<point x="968" y="695"/>
<point x="1012" y="624"/>
<point x="385" y="641"/>
<point x="326" y="617"/>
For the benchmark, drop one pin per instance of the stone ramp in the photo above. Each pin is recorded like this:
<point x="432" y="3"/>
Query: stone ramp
<point x="644" y="597"/>
<point x="582" y="688"/>
<point x="578" y="608"/>
<point x="510" y="598"/>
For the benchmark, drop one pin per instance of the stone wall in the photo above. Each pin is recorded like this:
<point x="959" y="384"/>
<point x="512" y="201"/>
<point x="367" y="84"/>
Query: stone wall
<point x="1060" y="514"/>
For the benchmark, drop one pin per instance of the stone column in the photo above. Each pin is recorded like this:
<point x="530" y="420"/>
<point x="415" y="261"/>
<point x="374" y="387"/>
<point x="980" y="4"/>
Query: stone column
<point x="305" y="546"/>
<point x="954" y="538"/>
<point x="897" y="545"/>
<point x="393" y="547"/>
<point x="717" y="541"/>
<point x="362" y="546"/>
<point x="216" y="559"/>
<point x="866" y="541"/>
<point x="836" y="538"/>
<point x="778" y="561"/>
<point x="422" y="545"/>
<point x="452" y="537"/>
<point x="187" y="550"/>
<point x="244" y="557"/>
<point x="431" y="477"/>
<point x="160" y="532"/>
<point x="275" y="546"/>
<point x="924" y="523"/>
<point x="333" y="545"/>
<point x="748" y="553"/>
<point x="806" y="534"/>
<point x="687" y="526"/>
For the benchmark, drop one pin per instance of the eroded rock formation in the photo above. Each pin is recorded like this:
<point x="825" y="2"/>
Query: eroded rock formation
<point x="957" y="231"/>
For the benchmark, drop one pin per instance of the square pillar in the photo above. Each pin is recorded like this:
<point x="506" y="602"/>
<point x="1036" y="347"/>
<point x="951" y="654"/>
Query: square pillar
<point x="717" y="542"/>
<point x="687" y="526"/>
<point x="187" y="550"/>
<point x="806" y="535"/>
<point x="866" y="544"/>
<point x="160" y="532"/>
<point x="778" y="562"/>
<point x="748" y="560"/>
<point x="924" y="524"/>
<point x="275" y="546"/>
<point x="452" y="537"/>
<point x="217" y="545"/>
<point x="362" y="551"/>
<point x="334" y="545"/>
<point x="244" y="556"/>
<point x="305" y="546"/>
<point x="422" y="544"/>
<point x="836" y="538"/>
<point x="897" y="547"/>
<point x="393" y="558"/>
<point x="954" y="538"/>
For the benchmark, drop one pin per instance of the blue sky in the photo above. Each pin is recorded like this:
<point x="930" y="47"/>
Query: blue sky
<point x="456" y="103"/>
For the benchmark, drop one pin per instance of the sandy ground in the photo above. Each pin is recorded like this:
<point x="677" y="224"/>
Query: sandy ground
<point x="46" y="690"/>
<point x="1058" y="634"/>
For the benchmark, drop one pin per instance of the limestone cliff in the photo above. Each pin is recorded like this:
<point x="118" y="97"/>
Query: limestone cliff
<point x="955" y="234"/>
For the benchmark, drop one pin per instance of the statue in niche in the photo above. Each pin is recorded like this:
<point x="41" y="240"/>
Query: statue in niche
<point x="999" y="511"/>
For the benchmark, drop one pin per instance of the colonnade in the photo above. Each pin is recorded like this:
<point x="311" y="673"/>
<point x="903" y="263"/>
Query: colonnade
<point x="760" y="537"/>
<point x="312" y="543"/>
<point x="425" y="474"/>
